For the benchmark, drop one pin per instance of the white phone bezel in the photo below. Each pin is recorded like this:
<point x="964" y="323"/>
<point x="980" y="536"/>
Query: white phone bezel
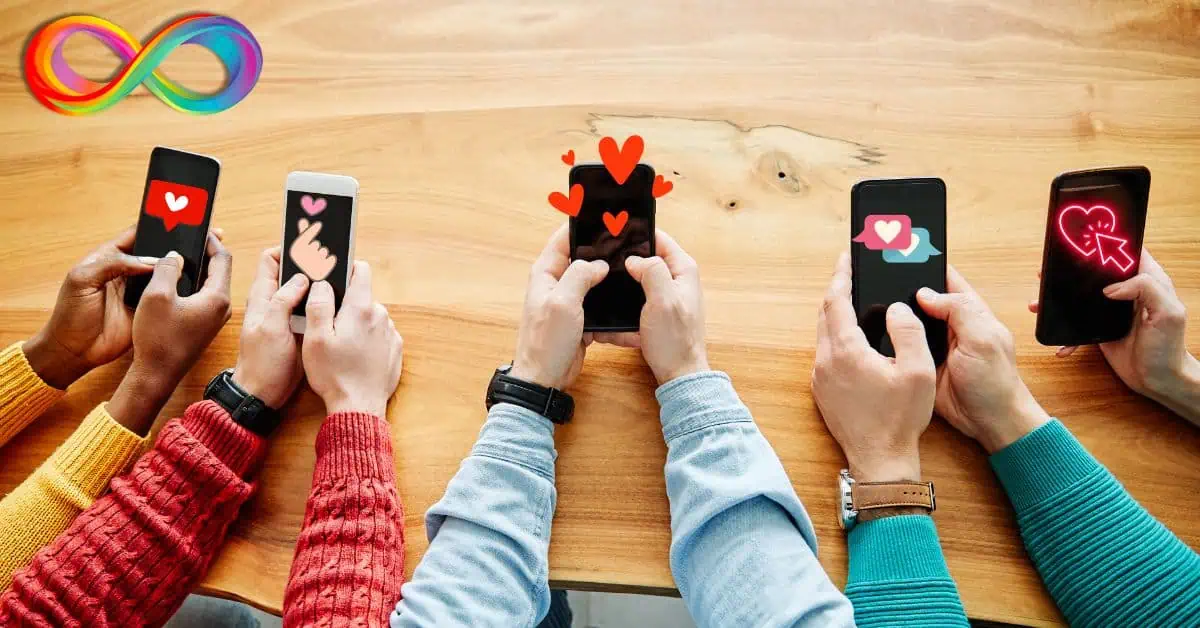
<point x="319" y="183"/>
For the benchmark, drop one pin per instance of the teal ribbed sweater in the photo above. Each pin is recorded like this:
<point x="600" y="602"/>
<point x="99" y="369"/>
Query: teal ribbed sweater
<point x="1104" y="559"/>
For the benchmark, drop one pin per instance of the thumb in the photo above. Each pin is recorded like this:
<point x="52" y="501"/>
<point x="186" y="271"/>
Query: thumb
<point x="651" y="272"/>
<point x="580" y="277"/>
<point x="97" y="273"/>
<point x="1152" y="293"/>
<point x="320" y="308"/>
<point x="908" y="337"/>
<point x="166" y="274"/>
<point x="289" y="295"/>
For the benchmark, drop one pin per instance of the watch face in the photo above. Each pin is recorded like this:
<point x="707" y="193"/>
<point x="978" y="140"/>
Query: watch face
<point x="846" y="500"/>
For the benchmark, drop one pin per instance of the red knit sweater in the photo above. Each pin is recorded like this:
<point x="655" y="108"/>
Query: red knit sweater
<point x="133" y="556"/>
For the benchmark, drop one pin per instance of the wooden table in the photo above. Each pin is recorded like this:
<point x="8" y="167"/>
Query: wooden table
<point x="453" y="118"/>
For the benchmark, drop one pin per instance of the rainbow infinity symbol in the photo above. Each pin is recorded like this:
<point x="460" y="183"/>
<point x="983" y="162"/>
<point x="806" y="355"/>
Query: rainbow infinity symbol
<point x="61" y="89"/>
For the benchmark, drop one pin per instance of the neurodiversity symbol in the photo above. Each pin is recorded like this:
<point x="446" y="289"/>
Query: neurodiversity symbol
<point x="52" y="81"/>
<point x="1093" y="231"/>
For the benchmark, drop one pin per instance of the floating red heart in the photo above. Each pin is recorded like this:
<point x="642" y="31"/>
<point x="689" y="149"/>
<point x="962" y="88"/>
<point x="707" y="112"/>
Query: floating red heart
<point x="621" y="162"/>
<point x="616" y="224"/>
<point x="1079" y="225"/>
<point x="661" y="186"/>
<point x="569" y="206"/>
<point x="569" y="157"/>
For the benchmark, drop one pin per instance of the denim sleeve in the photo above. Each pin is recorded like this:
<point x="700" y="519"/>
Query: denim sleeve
<point x="489" y="536"/>
<point x="743" y="551"/>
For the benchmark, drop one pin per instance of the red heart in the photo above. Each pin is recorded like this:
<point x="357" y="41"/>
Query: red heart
<point x="661" y="186"/>
<point x="568" y="206"/>
<point x="616" y="224"/>
<point x="621" y="162"/>
<point x="569" y="157"/>
<point x="1078" y="226"/>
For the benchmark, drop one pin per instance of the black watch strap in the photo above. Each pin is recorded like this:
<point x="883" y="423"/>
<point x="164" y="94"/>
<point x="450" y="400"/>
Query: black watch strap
<point x="245" y="409"/>
<point x="551" y="403"/>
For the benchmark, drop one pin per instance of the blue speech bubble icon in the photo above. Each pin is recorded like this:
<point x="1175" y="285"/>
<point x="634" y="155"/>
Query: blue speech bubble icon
<point x="918" y="252"/>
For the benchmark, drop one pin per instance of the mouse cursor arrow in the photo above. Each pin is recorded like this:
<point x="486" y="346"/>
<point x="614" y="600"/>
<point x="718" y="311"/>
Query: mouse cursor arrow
<point x="1112" y="249"/>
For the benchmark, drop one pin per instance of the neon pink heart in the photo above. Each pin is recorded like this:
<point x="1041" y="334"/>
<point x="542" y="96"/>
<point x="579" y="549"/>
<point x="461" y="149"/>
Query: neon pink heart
<point x="310" y="206"/>
<point x="1079" y="225"/>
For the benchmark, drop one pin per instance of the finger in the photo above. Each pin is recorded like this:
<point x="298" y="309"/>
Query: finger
<point x="841" y="322"/>
<point x="554" y="259"/>
<point x="219" y="232"/>
<point x="320" y="308"/>
<point x="124" y="240"/>
<point x="309" y="232"/>
<point x="678" y="261"/>
<point x="652" y="272"/>
<point x="908" y="337"/>
<point x="166" y="274"/>
<point x="287" y="297"/>
<point x="358" y="290"/>
<point x="955" y="282"/>
<point x="627" y="339"/>
<point x="580" y="277"/>
<point x="103" y="270"/>
<point x="1065" y="351"/>
<point x="1034" y="306"/>
<point x="220" y="267"/>
<point x="1146" y="290"/>
<point x="266" y="280"/>
<point x="1150" y="266"/>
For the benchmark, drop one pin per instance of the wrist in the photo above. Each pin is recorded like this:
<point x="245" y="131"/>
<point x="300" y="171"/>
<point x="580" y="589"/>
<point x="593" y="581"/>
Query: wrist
<point x="697" y="364"/>
<point x="253" y="386"/>
<point x="139" y="398"/>
<point x="52" y="362"/>
<point x="1022" y="417"/>
<point x="338" y="404"/>
<point x="890" y="468"/>
<point x="526" y="373"/>
<point x="1181" y="391"/>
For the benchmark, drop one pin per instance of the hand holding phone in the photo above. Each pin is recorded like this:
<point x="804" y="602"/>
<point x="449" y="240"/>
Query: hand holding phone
<point x="319" y="216"/>
<point x="176" y="211"/>
<point x="615" y="221"/>
<point x="1094" y="229"/>
<point x="898" y="233"/>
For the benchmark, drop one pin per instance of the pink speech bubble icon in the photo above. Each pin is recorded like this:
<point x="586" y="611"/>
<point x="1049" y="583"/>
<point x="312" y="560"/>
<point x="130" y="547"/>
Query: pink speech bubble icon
<point x="882" y="232"/>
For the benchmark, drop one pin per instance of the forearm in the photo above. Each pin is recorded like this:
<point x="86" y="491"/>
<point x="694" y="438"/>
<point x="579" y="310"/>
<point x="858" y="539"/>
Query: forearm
<point x="24" y="394"/>
<point x="1182" y="393"/>
<point x="78" y="472"/>
<point x="140" y="396"/>
<point x="133" y="555"/>
<point x="353" y="510"/>
<point x="898" y="575"/>
<point x="1103" y="558"/>
<point x="743" y="551"/>
<point x="487" y="562"/>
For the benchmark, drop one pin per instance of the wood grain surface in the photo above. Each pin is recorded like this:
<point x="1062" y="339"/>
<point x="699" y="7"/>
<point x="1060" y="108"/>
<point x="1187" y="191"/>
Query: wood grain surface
<point x="453" y="115"/>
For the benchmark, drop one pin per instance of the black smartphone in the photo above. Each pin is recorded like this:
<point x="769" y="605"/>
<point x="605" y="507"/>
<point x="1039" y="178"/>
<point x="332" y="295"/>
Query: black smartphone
<point x="176" y="208"/>
<point x="898" y="246"/>
<point x="615" y="220"/>
<point x="1094" y="230"/>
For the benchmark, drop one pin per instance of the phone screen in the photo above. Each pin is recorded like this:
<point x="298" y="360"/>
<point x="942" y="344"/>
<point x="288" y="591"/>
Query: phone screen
<point x="614" y="222"/>
<point x="176" y="208"/>
<point x="1094" y="231"/>
<point x="316" y="240"/>
<point x="898" y="232"/>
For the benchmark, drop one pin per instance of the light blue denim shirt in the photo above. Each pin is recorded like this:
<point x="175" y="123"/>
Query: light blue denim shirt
<point x="743" y="551"/>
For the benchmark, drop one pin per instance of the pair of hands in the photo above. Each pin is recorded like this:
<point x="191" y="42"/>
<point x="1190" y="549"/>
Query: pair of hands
<point x="877" y="407"/>
<point x="353" y="359"/>
<point x="551" y="344"/>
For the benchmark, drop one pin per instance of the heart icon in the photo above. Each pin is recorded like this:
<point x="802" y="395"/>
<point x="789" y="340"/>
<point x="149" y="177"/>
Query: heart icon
<point x="175" y="203"/>
<point x="569" y="206"/>
<point x="621" y="162"/>
<point x="1079" y="226"/>
<point x="916" y="240"/>
<point x="569" y="157"/>
<point x="887" y="230"/>
<point x="661" y="186"/>
<point x="312" y="207"/>
<point x="616" y="224"/>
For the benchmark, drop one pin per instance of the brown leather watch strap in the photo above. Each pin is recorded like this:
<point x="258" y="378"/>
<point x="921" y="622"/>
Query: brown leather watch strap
<point x="871" y="495"/>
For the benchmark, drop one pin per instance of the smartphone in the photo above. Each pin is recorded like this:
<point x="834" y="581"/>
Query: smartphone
<point x="1094" y="230"/>
<point x="898" y="246"/>
<point x="614" y="222"/>
<point x="177" y="205"/>
<point x="319" y="215"/>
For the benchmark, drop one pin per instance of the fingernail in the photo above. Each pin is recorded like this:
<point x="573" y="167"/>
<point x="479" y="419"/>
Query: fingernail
<point x="1109" y="290"/>
<point x="899" y="308"/>
<point x="146" y="259"/>
<point x="926" y="293"/>
<point x="298" y="279"/>
<point x="174" y="254"/>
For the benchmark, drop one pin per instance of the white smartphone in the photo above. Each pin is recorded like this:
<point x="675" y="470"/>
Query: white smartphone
<point x="319" y="214"/>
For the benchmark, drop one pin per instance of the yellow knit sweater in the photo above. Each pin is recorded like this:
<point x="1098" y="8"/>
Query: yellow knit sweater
<point x="38" y="510"/>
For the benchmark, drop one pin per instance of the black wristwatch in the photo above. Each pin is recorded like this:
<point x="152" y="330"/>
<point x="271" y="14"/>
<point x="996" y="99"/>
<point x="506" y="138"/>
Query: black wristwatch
<point x="247" y="410"/>
<point x="551" y="403"/>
